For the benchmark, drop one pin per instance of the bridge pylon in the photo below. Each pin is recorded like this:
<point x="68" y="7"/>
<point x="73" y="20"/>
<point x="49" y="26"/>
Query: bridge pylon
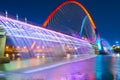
<point x="2" y="41"/>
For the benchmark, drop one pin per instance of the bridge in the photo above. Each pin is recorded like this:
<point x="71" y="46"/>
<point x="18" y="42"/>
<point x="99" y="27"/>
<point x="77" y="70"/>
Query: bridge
<point x="63" y="48"/>
<point x="68" y="30"/>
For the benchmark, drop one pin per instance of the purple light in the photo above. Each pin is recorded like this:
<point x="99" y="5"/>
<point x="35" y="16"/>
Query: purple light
<point x="24" y="34"/>
<point x="35" y="27"/>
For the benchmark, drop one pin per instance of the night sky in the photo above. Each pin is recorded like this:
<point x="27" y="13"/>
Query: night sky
<point x="106" y="13"/>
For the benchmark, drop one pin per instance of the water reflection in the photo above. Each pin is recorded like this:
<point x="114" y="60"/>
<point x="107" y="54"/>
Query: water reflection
<point x="104" y="68"/>
<point x="99" y="68"/>
<point x="2" y="78"/>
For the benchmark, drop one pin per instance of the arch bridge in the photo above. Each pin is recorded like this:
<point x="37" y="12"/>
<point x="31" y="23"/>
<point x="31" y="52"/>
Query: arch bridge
<point x="70" y="30"/>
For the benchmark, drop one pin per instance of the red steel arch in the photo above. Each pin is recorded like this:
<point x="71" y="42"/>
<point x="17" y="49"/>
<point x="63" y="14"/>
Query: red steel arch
<point x="64" y="3"/>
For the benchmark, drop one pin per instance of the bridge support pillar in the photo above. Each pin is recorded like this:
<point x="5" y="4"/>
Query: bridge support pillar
<point x="2" y="43"/>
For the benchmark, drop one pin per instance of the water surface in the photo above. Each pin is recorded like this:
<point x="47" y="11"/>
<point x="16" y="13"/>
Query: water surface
<point x="98" y="68"/>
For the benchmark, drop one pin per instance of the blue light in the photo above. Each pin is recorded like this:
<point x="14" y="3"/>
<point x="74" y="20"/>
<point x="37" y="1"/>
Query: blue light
<point x="83" y="23"/>
<point x="117" y="42"/>
<point x="99" y="44"/>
